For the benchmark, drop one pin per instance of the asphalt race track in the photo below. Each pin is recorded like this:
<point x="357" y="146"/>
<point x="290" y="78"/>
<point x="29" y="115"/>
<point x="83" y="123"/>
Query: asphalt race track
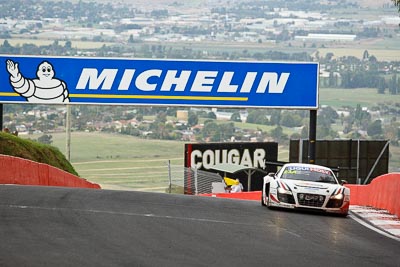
<point x="53" y="226"/>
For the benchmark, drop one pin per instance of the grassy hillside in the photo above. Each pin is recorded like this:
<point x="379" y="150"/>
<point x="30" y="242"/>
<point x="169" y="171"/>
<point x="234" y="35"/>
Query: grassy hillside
<point x="28" y="149"/>
<point x="122" y="162"/>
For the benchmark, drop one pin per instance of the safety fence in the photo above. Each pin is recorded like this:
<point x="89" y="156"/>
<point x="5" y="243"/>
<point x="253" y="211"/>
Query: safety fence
<point x="14" y="170"/>
<point x="191" y="180"/>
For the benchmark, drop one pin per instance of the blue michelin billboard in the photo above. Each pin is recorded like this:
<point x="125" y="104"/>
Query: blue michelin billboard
<point x="119" y="81"/>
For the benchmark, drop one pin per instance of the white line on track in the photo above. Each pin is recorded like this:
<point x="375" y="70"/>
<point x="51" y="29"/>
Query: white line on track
<point x="128" y="214"/>
<point x="150" y="215"/>
<point x="360" y="221"/>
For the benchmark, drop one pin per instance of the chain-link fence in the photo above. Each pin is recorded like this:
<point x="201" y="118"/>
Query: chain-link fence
<point x="190" y="180"/>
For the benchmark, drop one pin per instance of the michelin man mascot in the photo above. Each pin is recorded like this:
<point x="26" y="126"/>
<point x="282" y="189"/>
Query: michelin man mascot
<point x="44" y="89"/>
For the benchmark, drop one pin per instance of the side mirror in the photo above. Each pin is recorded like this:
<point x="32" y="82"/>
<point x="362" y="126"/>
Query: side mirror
<point x="343" y="182"/>
<point x="272" y="174"/>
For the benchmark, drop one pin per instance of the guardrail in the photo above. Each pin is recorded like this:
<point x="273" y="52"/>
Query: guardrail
<point x="383" y="192"/>
<point x="14" y="170"/>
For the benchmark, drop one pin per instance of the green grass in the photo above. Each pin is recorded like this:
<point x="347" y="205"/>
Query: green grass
<point x="32" y="150"/>
<point x="122" y="162"/>
<point x="366" y="97"/>
<point x="97" y="146"/>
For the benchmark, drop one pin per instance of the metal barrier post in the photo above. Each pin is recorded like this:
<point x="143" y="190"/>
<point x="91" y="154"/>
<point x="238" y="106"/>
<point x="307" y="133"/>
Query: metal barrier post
<point x="196" y="185"/>
<point x="169" y="177"/>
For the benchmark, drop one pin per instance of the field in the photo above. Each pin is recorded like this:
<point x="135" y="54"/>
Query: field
<point x="377" y="49"/>
<point x="366" y="97"/>
<point x="43" y="42"/>
<point x="120" y="161"/>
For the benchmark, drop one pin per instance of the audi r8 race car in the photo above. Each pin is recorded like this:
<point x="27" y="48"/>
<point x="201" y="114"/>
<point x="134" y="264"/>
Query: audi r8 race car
<point x="309" y="186"/>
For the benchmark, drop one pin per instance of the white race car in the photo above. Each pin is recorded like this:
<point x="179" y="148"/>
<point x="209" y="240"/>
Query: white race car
<point x="309" y="186"/>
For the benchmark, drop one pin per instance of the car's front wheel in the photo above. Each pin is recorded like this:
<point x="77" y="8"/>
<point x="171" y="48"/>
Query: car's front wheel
<point x="262" y="200"/>
<point x="264" y="196"/>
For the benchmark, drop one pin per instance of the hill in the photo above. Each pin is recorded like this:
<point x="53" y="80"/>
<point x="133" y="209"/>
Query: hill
<point x="24" y="148"/>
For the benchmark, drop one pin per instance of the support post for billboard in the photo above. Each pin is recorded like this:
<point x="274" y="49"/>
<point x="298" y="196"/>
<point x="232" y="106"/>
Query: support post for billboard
<point x="312" y="136"/>
<point x="68" y="133"/>
<point x="358" y="162"/>
<point x="376" y="162"/>
<point x="249" y="174"/>
<point x="301" y="150"/>
<point x="1" y="116"/>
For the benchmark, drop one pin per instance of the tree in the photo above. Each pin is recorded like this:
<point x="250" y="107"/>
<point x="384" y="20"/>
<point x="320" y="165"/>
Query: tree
<point x="46" y="139"/>
<point x="381" y="85"/>
<point x="397" y="3"/>
<point x="211" y="115"/>
<point x="257" y="116"/>
<point x="211" y="130"/>
<point x="193" y="119"/>
<point x="361" y="117"/>
<point x="326" y="132"/>
<point x="139" y="117"/>
<point x="365" y="55"/>
<point x="275" y="117"/>
<point x="333" y="79"/>
<point x="130" y="40"/>
<point x="393" y="85"/>
<point x="329" y="56"/>
<point x="68" y="44"/>
<point x="375" y="129"/>
<point x="277" y="134"/>
<point x="327" y="116"/>
<point x="290" y="120"/>
<point x="236" y="117"/>
<point x="227" y="130"/>
<point x="392" y="134"/>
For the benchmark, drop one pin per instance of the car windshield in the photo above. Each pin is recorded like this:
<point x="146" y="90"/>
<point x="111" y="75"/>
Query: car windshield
<point x="308" y="174"/>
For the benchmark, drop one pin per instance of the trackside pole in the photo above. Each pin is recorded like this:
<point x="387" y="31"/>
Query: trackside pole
<point x="196" y="185"/>
<point x="169" y="177"/>
<point x="312" y="136"/>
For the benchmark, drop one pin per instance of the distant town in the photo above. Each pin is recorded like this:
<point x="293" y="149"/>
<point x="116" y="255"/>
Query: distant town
<point x="300" y="30"/>
<point x="238" y="22"/>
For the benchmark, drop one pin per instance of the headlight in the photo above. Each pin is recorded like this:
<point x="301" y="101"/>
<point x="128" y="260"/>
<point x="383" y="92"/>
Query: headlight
<point x="335" y="201"/>
<point x="283" y="191"/>
<point x="338" y="197"/>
